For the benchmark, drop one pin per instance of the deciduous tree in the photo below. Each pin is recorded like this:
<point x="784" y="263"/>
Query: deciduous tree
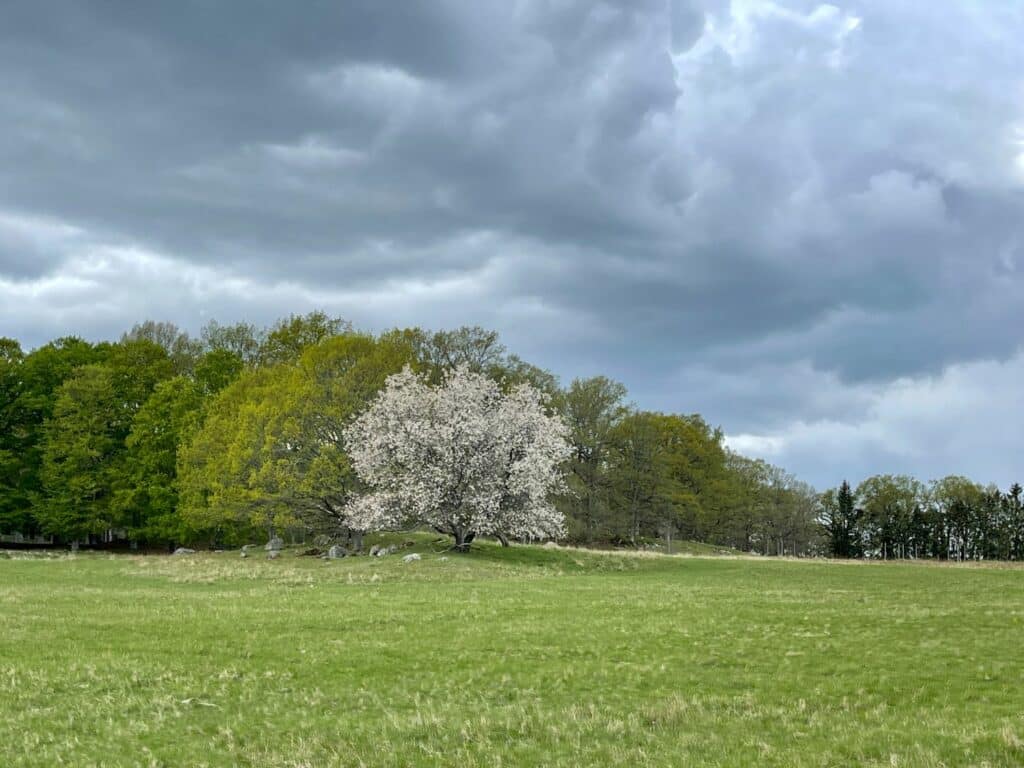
<point x="462" y="457"/>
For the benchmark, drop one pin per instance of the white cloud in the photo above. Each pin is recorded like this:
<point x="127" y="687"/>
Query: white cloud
<point x="312" y="153"/>
<point x="962" y="421"/>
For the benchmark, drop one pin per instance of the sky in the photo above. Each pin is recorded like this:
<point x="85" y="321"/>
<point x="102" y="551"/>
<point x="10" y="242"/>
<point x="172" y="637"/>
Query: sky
<point x="804" y="221"/>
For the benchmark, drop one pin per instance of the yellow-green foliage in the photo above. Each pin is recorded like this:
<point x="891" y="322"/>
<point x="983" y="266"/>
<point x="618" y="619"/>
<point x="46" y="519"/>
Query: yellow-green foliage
<point x="270" y="448"/>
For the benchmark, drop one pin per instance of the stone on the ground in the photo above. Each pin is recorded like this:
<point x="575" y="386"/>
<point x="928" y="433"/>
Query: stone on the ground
<point x="275" y="544"/>
<point x="244" y="553"/>
<point x="336" y="552"/>
<point x="411" y="557"/>
<point x="374" y="550"/>
<point x="273" y="554"/>
<point x="184" y="551"/>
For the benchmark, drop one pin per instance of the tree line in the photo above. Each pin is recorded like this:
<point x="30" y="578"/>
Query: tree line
<point x="896" y="516"/>
<point x="163" y="438"/>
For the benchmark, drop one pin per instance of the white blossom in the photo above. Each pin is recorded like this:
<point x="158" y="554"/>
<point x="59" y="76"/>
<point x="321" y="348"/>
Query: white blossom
<point x="463" y="457"/>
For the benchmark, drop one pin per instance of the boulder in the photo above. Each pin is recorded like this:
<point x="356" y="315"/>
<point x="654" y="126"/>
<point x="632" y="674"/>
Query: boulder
<point x="184" y="551"/>
<point x="273" y="554"/>
<point x="275" y="544"/>
<point x="411" y="557"/>
<point x="336" y="552"/>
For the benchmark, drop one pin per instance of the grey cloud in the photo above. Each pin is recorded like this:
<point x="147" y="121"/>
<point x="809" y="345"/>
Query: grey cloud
<point x="759" y="210"/>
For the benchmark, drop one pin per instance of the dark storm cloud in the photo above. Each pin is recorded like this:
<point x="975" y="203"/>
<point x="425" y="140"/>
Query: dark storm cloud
<point x="781" y="214"/>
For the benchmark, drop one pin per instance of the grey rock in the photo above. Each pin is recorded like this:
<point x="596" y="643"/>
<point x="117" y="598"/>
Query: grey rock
<point x="411" y="557"/>
<point x="244" y="553"/>
<point x="336" y="552"/>
<point x="273" y="554"/>
<point x="275" y="544"/>
<point x="184" y="551"/>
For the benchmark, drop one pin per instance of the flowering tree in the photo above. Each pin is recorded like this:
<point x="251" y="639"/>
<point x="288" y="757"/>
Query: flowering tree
<point x="462" y="457"/>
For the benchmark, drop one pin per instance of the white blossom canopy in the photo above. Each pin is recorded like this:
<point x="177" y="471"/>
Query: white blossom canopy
<point x="463" y="457"/>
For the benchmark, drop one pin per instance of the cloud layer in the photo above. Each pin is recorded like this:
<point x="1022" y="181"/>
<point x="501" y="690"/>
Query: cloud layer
<point x="805" y="221"/>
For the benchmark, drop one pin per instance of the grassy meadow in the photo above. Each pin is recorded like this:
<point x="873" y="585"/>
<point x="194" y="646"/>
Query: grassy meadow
<point x="525" y="656"/>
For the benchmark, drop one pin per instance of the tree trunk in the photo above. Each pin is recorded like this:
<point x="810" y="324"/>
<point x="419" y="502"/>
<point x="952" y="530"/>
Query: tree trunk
<point x="502" y="538"/>
<point x="355" y="540"/>
<point x="463" y="538"/>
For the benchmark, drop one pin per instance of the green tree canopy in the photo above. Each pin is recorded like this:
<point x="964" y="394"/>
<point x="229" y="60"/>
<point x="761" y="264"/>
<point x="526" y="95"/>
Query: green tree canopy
<point x="270" y="451"/>
<point x="84" y="446"/>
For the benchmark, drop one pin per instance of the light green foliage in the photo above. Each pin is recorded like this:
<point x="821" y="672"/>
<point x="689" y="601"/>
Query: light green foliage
<point x="218" y="465"/>
<point x="331" y="384"/>
<point x="270" y="451"/>
<point x="523" y="656"/>
<point x="288" y="338"/>
<point x="147" y="498"/>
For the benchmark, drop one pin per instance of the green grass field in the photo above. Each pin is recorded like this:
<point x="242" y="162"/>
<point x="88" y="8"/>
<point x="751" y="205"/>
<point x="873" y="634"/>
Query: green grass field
<point x="525" y="657"/>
